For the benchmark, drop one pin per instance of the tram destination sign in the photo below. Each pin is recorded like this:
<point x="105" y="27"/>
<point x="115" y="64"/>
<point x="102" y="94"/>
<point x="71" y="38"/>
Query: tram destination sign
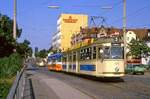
<point x="116" y="44"/>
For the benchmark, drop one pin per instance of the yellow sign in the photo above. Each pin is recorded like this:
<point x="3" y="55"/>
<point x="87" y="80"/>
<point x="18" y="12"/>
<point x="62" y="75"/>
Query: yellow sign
<point x="70" y="20"/>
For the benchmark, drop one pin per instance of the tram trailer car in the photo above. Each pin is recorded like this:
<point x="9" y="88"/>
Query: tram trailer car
<point x="54" y="62"/>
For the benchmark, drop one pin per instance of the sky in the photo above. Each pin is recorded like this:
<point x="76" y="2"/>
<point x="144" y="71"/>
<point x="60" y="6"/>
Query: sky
<point x="39" y="22"/>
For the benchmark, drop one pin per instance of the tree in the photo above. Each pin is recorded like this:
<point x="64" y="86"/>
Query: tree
<point x="7" y="42"/>
<point x="23" y="49"/>
<point x="42" y="53"/>
<point x="138" y="48"/>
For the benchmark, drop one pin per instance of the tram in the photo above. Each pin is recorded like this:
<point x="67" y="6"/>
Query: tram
<point x="54" y="62"/>
<point x="100" y="59"/>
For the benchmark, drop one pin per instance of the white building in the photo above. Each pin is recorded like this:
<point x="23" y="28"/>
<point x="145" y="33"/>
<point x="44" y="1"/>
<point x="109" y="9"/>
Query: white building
<point x="129" y="36"/>
<point x="146" y="60"/>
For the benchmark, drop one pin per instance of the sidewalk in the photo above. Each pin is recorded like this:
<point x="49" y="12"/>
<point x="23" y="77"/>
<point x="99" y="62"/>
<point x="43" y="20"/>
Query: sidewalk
<point x="28" y="92"/>
<point x="45" y="87"/>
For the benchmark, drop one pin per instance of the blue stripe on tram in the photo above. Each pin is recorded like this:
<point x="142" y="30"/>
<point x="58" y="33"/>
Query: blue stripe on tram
<point x="87" y="67"/>
<point x="74" y="66"/>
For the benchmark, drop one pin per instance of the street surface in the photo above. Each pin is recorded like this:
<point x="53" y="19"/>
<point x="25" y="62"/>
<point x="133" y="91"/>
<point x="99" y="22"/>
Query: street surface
<point x="130" y="87"/>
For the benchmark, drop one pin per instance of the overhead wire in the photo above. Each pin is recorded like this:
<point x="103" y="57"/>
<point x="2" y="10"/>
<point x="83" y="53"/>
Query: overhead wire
<point x="135" y="13"/>
<point x="113" y="6"/>
<point x="141" y="26"/>
<point x="103" y="19"/>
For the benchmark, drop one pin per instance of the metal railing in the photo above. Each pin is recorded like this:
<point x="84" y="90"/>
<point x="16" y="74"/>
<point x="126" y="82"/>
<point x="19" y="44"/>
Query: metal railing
<point x="17" y="89"/>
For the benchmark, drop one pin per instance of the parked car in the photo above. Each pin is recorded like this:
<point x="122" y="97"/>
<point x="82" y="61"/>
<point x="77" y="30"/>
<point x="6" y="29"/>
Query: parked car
<point x="147" y="66"/>
<point x="41" y="63"/>
<point x="135" y="69"/>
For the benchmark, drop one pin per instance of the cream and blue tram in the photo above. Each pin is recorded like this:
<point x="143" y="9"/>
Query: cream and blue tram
<point x="97" y="59"/>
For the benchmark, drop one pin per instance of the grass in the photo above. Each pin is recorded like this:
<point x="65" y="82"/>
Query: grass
<point x="5" y="85"/>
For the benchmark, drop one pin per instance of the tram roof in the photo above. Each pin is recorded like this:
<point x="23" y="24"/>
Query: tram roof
<point x="101" y="41"/>
<point x="55" y="56"/>
<point x="107" y="40"/>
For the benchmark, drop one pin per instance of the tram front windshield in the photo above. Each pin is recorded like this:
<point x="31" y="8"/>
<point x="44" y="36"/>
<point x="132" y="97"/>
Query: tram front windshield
<point x="114" y="52"/>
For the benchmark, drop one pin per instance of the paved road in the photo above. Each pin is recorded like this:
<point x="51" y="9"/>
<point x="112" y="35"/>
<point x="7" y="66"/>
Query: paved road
<point x="132" y="86"/>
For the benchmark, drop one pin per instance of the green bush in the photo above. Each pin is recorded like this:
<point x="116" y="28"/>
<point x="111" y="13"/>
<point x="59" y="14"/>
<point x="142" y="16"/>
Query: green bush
<point x="8" y="69"/>
<point x="4" y="87"/>
<point x="10" y="65"/>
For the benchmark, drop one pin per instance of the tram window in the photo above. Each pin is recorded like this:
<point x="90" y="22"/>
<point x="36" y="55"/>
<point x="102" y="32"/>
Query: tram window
<point x="81" y="54"/>
<point x="116" y="52"/>
<point x="64" y="59"/>
<point x="99" y="55"/>
<point x="59" y="60"/>
<point x="70" y="58"/>
<point x="74" y="56"/>
<point x="94" y="52"/>
<point x="89" y="52"/>
<point x="107" y="53"/>
<point x="85" y="54"/>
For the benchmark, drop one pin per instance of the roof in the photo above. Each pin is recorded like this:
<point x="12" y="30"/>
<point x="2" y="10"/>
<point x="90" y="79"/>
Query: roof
<point x="141" y="33"/>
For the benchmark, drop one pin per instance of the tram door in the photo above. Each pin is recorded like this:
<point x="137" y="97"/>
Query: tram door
<point x="99" y="59"/>
<point x="77" y="61"/>
<point x="64" y="62"/>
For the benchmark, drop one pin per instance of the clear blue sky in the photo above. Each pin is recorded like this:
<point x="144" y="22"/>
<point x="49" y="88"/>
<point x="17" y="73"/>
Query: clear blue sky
<point x="39" y="22"/>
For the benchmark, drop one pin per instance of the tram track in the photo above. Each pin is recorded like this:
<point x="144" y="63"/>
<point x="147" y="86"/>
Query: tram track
<point x="125" y="89"/>
<point x="85" y="92"/>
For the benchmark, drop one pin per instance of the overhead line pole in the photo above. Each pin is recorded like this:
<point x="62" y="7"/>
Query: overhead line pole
<point x="14" y="20"/>
<point x="124" y="31"/>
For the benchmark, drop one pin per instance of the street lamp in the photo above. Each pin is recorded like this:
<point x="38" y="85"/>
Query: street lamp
<point x="14" y="20"/>
<point x="54" y="7"/>
<point x="57" y="7"/>
<point x="106" y="7"/>
<point x="15" y="23"/>
<point x="124" y="31"/>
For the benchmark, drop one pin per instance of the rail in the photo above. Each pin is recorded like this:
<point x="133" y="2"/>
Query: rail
<point x="17" y="89"/>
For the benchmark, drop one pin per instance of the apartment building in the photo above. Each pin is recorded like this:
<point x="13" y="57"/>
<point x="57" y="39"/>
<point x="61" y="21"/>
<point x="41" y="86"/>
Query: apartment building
<point x="67" y="25"/>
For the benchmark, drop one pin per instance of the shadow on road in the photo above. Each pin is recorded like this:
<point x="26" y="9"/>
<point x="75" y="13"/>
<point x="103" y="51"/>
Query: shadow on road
<point x="94" y="78"/>
<point x="99" y="79"/>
